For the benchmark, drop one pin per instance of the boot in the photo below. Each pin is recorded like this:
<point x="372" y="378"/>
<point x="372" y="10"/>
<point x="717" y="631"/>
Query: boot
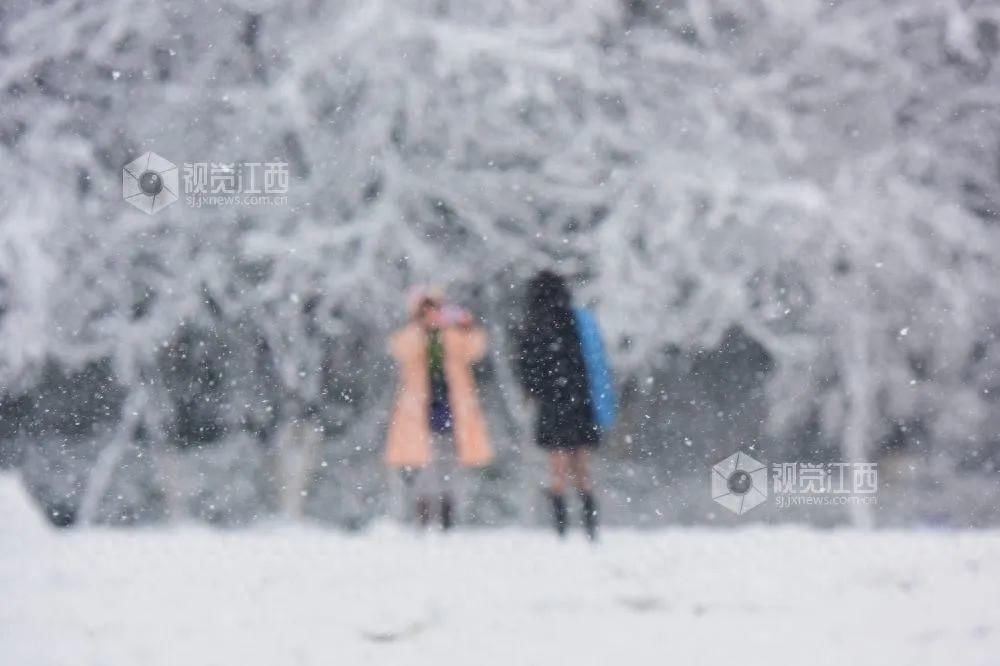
<point x="589" y="515"/>
<point x="423" y="512"/>
<point x="447" y="513"/>
<point x="559" y="512"/>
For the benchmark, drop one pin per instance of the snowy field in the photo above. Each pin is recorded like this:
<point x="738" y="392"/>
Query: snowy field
<point x="304" y="595"/>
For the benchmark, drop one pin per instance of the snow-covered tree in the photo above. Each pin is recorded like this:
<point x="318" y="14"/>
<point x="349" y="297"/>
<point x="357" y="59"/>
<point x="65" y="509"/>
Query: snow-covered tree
<point x="822" y="177"/>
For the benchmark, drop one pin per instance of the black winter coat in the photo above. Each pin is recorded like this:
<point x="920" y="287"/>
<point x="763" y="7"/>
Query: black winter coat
<point x="552" y="371"/>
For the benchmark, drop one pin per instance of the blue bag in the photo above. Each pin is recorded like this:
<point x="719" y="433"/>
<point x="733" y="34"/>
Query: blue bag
<point x="602" y="386"/>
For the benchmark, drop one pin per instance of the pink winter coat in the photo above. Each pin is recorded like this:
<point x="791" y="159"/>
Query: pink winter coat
<point x="409" y="439"/>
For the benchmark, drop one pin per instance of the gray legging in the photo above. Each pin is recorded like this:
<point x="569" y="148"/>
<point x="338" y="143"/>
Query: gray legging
<point x="443" y="475"/>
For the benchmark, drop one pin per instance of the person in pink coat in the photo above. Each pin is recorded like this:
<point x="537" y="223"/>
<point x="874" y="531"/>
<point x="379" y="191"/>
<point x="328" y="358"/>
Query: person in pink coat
<point x="437" y="426"/>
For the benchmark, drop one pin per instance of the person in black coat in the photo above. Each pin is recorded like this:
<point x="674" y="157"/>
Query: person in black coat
<point x="552" y="370"/>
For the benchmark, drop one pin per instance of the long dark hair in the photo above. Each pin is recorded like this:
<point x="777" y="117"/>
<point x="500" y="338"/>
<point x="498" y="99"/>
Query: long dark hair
<point x="550" y="303"/>
<point x="549" y="346"/>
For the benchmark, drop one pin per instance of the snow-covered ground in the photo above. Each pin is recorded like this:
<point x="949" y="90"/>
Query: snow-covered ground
<point x="304" y="595"/>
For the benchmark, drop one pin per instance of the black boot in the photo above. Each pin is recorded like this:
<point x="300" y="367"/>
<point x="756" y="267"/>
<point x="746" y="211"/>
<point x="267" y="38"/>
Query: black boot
<point x="589" y="515"/>
<point x="447" y="513"/>
<point x="559" y="512"/>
